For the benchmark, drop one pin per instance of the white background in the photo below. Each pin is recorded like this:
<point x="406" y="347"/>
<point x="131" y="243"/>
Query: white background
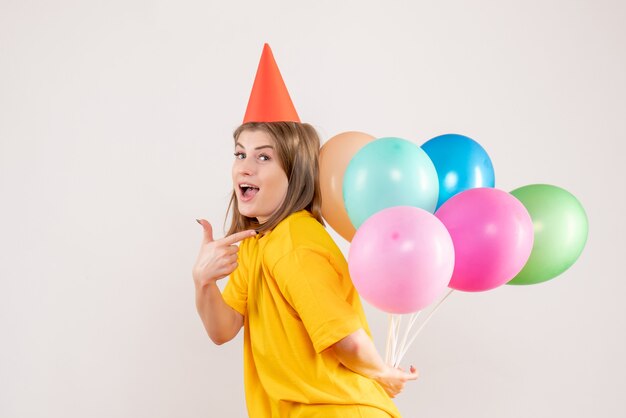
<point x="115" y="134"/>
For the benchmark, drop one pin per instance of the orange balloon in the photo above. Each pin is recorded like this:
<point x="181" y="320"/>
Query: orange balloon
<point x="335" y="155"/>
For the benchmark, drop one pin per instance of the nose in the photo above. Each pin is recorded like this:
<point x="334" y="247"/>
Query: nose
<point x="245" y="167"/>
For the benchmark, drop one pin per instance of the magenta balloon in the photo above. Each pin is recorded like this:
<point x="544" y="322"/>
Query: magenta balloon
<point x="401" y="259"/>
<point x="493" y="236"/>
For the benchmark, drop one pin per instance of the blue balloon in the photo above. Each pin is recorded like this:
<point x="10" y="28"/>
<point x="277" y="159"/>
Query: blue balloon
<point x="461" y="164"/>
<point x="388" y="172"/>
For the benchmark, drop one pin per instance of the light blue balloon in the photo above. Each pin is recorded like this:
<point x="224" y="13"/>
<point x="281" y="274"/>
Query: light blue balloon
<point x="389" y="172"/>
<point x="461" y="164"/>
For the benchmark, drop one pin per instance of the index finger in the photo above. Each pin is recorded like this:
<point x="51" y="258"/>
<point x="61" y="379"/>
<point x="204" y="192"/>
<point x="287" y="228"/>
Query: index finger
<point x="238" y="236"/>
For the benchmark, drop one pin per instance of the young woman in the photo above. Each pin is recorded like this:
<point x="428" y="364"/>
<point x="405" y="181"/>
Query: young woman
<point x="307" y="346"/>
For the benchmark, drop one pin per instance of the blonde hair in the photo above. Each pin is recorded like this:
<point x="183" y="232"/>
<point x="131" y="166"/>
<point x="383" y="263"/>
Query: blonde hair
<point x="297" y="148"/>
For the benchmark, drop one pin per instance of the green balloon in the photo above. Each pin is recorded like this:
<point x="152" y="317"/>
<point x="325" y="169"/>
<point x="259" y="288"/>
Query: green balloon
<point x="560" y="226"/>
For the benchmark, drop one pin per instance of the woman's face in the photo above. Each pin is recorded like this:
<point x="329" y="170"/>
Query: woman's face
<point x="258" y="179"/>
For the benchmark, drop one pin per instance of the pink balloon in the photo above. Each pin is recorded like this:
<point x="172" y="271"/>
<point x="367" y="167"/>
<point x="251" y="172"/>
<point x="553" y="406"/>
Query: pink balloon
<point x="401" y="259"/>
<point x="493" y="236"/>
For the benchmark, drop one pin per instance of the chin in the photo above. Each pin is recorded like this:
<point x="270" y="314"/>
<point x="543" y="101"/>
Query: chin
<point x="247" y="212"/>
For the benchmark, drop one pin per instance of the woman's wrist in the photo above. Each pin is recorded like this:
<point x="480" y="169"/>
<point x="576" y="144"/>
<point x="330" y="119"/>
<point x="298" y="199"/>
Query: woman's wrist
<point x="381" y="374"/>
<point x="204" y="285"/>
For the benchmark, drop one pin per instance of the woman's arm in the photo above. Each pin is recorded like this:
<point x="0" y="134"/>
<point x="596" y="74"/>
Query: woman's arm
<point x="216" y="260"/>
<point x="358" y="353"/>
<point x="221" y="322"/>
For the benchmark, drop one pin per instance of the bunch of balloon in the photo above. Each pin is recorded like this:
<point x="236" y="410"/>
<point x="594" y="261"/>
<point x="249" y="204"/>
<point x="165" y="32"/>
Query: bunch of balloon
<point x="421" y="265"/>
<point x="423" y="220"/>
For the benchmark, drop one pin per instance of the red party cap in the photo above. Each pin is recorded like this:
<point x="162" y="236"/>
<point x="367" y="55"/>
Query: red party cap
<point x="269" y="100"/>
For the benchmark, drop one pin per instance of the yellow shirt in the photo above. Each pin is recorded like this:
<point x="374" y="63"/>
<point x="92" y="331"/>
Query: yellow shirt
<point x="293" y="288"/>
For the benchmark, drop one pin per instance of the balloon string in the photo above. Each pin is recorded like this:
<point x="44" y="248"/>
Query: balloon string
<point x="392" y="327"/>
<point x="394" y="337"/>
<point x="400" y="349"/>
<point x="405" y="349"/>
<point x="388" y="345"/>
<point x="398" y="327"/>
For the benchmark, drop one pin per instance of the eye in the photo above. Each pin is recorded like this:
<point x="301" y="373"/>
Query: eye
<point x="240" y="155"/>
<point x="264" y="157"/>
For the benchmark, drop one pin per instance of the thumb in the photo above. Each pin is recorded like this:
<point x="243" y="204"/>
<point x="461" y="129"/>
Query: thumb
<point x="208" y="230"/>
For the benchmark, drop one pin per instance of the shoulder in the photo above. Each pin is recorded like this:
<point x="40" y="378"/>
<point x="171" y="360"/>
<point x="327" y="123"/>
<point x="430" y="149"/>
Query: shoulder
<point x="248" y="245"/>
<point x="298" y="232"/>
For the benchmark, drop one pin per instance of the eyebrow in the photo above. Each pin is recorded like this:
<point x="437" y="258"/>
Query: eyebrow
<point x="257" y="148"/>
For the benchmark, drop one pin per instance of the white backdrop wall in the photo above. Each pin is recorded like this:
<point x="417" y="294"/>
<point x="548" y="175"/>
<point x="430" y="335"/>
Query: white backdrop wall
<point x="115" y="134"/>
